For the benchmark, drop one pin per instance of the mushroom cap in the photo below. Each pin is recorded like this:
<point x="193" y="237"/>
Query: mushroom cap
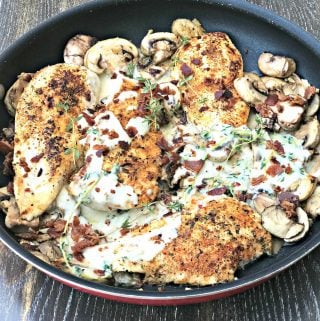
<point x="15" y="91"/>
<point x="276" y="66"/>
<point x="295" y="233"/>
<point x="289" y="116"/>
<point x="313" y="107"/>
<point x="309" y="133"/>
<point x="110" y="55"/>
<point x="263" y="201"/>
<point x="187" y="28"/>
<point x="76" y="49"/>
<point x="272" y="83"/>
<point x="304" y="187"/>
<point x="160" y="45"/>
<point x="245" y="86"/>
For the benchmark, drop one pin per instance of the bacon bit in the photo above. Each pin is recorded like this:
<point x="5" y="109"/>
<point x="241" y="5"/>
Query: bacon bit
<point x="163" y="144"/>
<point x="24" y="165"/>
<point x="194" y="165"/>
<point x="217" y="191"/>
<point x="236" y="184"/>
<point x="112" y="191"/>
<point x="124" y="231"/>
<point x="106" y="117"/>
<point x="88" y="159"/>
<point x="88" y="119"/>
<point x="289" y="208"/>
<point x="208" y="81"/>
<point x="99" y="272"/>
<point x="177" y="140"/>
<point x="196" y="61"/>
<point x="288" y="169"/>
<point x="156" y="238"/>
<point x="186" y="70"/>
<point x="36" y="159"/>
<point x="97" y="189"/>
<point x="258" y="180"/>
<point x="84" y="237"/>
<point x="219" y="168"/>
<point x="113" y="134"/>
<point x="289" y="202"/>
<point x="297" y="100"/>
<point x="276" y="146"/>
<point x="132" y="131"/>
<point x="274" y="170"/>
<point x="203" y="108"/>
<point x="272" y="100"/>
<point x="55" y="228"/>
<point x="124" y="145"/>
<point x="27" y="190"/>
<point x="264" y="110"/>
<point x="114" y="76"/>
<point x="310" y="91"/>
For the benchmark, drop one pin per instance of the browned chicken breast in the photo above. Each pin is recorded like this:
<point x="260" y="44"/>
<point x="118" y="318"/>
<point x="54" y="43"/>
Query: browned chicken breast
<point x="46" y="148"/>
<point x="208" y="65"/>
<point x="213" y="241"/>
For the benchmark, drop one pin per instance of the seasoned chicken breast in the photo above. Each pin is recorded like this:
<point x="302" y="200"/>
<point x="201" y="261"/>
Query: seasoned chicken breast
<point x="121" y="143"/>
<point x="208" y="65"/>
<point x="213" y="241"/>
<point x="45" y="146"/>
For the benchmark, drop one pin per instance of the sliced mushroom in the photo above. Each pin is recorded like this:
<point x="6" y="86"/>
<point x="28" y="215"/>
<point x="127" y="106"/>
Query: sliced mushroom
<point x="295" y="86"/>
<point x="295" y="233"/>
<point x="309" y="133"/>
<point x="272" y="83"/>
<point x="76" y="49"/>
<point x="289" y="116"/>
<point x="110" y="55"/>
<point x="15" y="91"/>
<point x="263" y="201"/>
<point x="50" y="250"/>
<point x="160" y="45"/>
<point x="312" y="206"/>
<point x="246" y="87"/>
<point x="303" y="187"/>
<point x="275" y="221"/>
<point x="153" y="72"/>
<point x="187" y="28"/>
<point x="276" y="66"/>
<point x="313" y="107"/>
<point x="276" y="245"/>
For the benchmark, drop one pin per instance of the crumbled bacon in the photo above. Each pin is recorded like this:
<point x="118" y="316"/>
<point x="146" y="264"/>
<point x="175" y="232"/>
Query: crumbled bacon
<point x="272" y="100"/>
<point x="264" y="110"/>
<point x="276" y="146"/>
<point x="196" y="61"/>
<point x="310" y="91"/>
<point x="132" y="131"/>
<point x="194" y="165"/>
<point x="55" y="227"/>
<point x="217" y="191"/>
<point x="274" y="170"/>
<point x="88" y="119"/>
<point x="258" y="180"/>
<point x="36" y="159"/>
<point x="186" y="70"/>
<point x="84" y="237"/>
<point x="163" y="144"/>
<point x="113" y="134"/>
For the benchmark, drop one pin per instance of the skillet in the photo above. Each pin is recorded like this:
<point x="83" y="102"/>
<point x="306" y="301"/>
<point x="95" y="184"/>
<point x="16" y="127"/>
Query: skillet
<point x="252" y="29"/>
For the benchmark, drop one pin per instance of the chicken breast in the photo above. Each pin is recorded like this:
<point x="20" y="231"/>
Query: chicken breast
<point x="122" y="144"/>
<point x="203" y="244"/>
<point x="208" y="65"/>
<point x="213" y="241"/>
<point x="46" y="149"/>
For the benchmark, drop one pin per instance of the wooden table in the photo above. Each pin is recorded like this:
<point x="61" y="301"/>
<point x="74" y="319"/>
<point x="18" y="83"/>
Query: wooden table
<point x="26" y="294"/>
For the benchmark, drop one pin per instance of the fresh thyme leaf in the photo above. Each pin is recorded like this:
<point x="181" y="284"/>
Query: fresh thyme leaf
<point x="176" y="206"/>
<point x="70" y="125"/>
<point x="64" y="106"/>
<point x="185" y="81"/>
<point x="174" y="61"/>
<point x="184" y="40"/>
<point x="126" y="224"/>
<point x="205" y="135"/>
<point x="189" y="189"/>
<point x="203" y="100"/>
<point x="148" y="85"/>
<point x="130" y="69"/>
<point x="76" y="153"/>
<point x="68" y="151"/>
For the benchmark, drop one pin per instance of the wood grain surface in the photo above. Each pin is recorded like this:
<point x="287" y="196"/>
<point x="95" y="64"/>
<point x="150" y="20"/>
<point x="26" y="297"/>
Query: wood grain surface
<point x="26" y="294"/>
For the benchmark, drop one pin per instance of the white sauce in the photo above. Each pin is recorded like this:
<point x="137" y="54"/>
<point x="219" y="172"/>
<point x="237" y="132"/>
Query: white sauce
<point x="141" y="124"/>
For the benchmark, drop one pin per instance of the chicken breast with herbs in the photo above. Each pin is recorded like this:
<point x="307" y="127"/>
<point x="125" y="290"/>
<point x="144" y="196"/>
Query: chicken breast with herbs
<point x="45" y="147"/>
<point x="213" y="241"/>
<point x="207" y="66"/>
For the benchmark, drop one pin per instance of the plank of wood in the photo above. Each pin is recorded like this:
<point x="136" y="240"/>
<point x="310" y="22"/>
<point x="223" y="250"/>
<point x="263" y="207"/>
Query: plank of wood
<point x="27" y="294"/>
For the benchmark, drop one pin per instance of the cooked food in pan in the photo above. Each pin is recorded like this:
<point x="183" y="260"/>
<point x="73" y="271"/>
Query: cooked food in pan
<point x="161" y="164"/>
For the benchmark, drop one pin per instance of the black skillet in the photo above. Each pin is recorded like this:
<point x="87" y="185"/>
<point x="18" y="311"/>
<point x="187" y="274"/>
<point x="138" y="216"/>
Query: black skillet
<point x="252" y="29"/>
